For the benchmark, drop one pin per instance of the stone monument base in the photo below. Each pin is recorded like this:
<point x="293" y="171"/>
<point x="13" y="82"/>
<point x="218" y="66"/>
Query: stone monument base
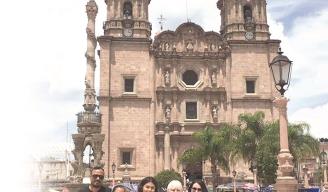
<point x="286" y="184"/>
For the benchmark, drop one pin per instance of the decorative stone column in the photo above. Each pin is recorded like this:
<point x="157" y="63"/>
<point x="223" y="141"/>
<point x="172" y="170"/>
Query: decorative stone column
<point x="175" y="155"/>
<point x="167" y="148"/>
<point x="88" y="121"/>
<point x="285" y="181"/>
<point x="90" y="93"/>
<point x="160" y="155"/>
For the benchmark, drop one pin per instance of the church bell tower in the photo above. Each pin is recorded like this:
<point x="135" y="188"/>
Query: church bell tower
<point x="126" y="88"/>
<point x="244" y="19"/>
<point x="127" y="18"/>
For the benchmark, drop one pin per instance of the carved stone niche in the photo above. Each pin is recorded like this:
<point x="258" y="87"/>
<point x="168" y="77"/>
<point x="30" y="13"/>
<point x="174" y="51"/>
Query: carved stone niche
<point x="167" y="113"/>
<point x="167" y="77"/>
<point x="215" y="111"/>
<point x="189" y="46"/>
<point x="214" y="78"/>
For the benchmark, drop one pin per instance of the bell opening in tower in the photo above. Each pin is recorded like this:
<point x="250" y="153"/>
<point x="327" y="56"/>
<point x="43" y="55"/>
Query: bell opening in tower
<point x="127" y="10"/>
<point x="248" y="14"/>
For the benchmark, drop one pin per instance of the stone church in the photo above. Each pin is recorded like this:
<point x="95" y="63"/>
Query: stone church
<point x="155" y="93"/>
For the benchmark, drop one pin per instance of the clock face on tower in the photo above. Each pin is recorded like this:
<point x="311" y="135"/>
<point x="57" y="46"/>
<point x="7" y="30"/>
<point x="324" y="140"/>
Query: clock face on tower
<point x="127" y="32"/>
<point x="249" y="35"/>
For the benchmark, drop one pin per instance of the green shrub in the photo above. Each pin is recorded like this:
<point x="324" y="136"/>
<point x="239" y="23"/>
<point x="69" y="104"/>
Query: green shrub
<point x="164" y="177"/>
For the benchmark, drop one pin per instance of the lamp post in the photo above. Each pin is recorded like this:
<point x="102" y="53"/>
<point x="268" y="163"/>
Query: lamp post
<point x="306" y="179"/>
<point x="184" y="175"/>
<point x="281" y="71"/>
<point x="254" y="167"/>
<point x="323" y="161"/>
<point x="113" y="169"/>
<point x="234" y="173"/>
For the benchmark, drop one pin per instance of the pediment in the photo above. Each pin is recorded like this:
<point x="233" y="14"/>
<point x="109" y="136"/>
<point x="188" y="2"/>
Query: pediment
<point x="189" y="37"/>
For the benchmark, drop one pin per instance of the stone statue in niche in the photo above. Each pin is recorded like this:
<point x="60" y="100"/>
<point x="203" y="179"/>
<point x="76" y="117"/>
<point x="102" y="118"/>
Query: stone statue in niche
<point x="167" y="113"/>
<point x="212" y="47"/>
<point x="215" y="112"/>
<point x="190" y="46"/>
<point x="213" y="78"/>
<point x="167" y="77"/>
<point x="166" y="46"/>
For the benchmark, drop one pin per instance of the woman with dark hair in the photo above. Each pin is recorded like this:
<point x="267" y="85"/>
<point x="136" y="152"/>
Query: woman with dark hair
<point x="197" y="186"/>
<point x="148" y="184"/>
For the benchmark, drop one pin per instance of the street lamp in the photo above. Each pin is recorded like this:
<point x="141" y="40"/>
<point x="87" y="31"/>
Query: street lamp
<point x="113" y="168"/>
<point x="323" y="160"/>
<point x="254" y="169"/>
<point x="184" y="175"/>
<point x="306" y="179"/>
<point x="234" y="173"/>
<point x="281" y="72"/>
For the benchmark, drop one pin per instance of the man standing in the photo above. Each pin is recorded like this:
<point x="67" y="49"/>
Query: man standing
<point x="96" y="181"/>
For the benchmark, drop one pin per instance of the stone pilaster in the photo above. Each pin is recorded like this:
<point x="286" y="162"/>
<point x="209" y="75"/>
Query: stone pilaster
<point x="167" y="147"/>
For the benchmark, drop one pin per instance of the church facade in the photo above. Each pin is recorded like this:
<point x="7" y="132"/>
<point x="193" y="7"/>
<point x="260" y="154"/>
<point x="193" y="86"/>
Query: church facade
<point x="154" y="94"/>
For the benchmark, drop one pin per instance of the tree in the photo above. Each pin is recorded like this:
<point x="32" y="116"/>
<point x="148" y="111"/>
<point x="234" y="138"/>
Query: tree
<point x="301" y="145"/>
<point x="252" y="130"/>
<point x="215" y="146"/>
<point x="259" y="142"/>
<point x="266" y="154"/>
<point x="164" y="177"/>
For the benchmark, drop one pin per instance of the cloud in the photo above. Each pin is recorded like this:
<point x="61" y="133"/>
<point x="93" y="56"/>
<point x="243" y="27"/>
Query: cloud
<point x="307" y="46"/>
<point x="315" y="116"/>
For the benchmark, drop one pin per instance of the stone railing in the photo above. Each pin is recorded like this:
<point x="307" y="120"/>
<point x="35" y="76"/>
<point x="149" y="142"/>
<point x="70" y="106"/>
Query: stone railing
<point x="88" y="117"/>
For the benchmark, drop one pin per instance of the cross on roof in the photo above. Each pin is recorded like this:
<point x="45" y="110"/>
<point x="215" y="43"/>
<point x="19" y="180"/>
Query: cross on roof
<point x="161" y="21"/>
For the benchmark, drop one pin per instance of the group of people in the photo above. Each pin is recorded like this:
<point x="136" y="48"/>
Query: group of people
<point x="147" y="184"/>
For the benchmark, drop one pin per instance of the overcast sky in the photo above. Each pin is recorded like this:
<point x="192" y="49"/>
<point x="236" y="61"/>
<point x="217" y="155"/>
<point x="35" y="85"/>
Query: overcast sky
<point x="43" y="64"/>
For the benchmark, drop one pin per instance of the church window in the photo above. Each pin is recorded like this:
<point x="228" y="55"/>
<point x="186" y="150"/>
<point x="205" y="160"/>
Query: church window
<point x="250" y="86"/>
<point x="126" y="157"/>
<point x="248" y="14"/>
<point x="191" y="110"/>
<point x="190" y="77"/>
<point x="129" y="85"/>
<point x="127" y="10"/>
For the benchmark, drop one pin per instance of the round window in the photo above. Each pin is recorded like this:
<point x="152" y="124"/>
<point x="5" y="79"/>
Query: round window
<point x="190" y="77"/>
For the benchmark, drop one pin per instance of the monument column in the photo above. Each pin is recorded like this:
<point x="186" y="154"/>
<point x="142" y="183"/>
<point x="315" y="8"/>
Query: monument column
<point x="88" y="121"/>
<point x="90" y="94"/>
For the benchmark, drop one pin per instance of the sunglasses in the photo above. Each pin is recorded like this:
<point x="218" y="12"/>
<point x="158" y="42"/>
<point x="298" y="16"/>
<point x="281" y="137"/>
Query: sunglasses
<point x="101" y="177"/>
<point x="196" y="189"/>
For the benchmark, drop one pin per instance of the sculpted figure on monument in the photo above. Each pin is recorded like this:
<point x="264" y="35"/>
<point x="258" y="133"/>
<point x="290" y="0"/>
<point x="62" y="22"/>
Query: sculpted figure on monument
<point x="215" y="112"/>
<point x="167" y="77"/>
<point x="213" y="78"/>
<point x="167" y="112"/>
